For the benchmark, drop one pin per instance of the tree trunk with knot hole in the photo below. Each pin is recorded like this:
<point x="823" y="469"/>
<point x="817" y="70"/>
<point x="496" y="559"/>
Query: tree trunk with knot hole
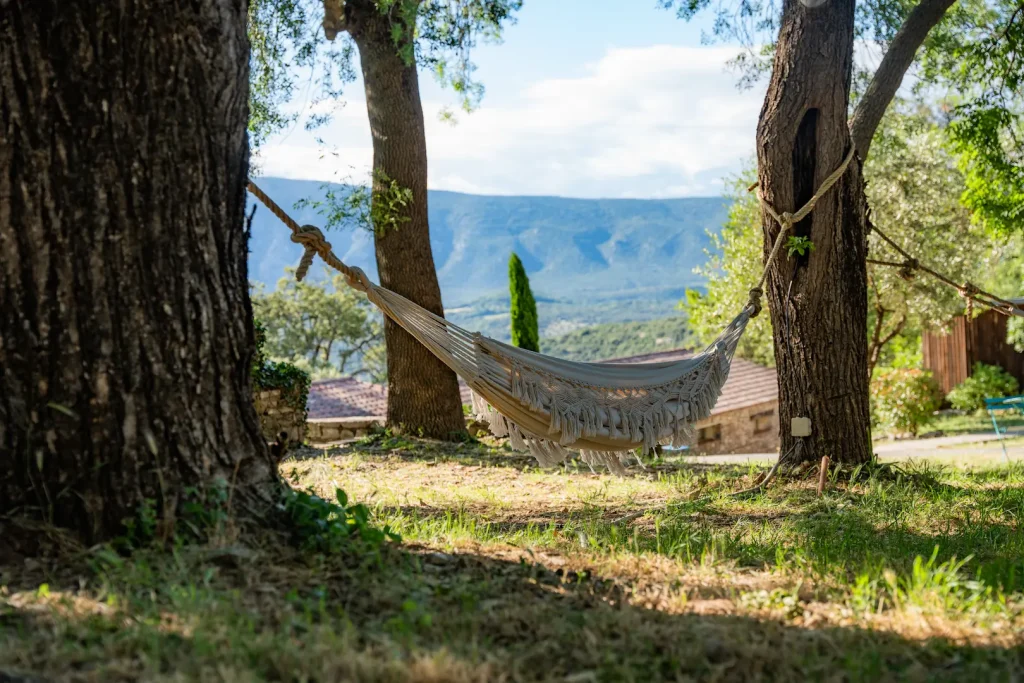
<point x="423" y="394"/>
<point x="125" y="323"/>
<point x="818" y="301"/>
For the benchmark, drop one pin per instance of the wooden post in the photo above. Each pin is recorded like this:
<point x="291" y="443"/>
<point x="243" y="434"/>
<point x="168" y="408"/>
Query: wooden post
<point x="823" y="474"/>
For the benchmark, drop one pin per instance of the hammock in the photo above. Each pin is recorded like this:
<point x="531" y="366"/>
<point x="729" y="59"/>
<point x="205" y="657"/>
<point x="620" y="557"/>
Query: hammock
<point x="551" y="407"/>
<point x="547" y="405"/>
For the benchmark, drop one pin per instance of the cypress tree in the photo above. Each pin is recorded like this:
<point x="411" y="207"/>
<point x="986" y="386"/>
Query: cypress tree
<point x="525" y="333"/>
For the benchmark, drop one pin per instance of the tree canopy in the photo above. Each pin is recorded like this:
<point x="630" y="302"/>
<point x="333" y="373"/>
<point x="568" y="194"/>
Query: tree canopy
<point x="970" y="52"/>
<point x="914" y="187"/>
<point x="325" y="328"/>
<point x="295" y="38"/>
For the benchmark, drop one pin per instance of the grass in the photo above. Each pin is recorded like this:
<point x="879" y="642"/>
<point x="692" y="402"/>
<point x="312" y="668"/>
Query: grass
<point x="971" y="423"/>
<point x="507" y="572"/>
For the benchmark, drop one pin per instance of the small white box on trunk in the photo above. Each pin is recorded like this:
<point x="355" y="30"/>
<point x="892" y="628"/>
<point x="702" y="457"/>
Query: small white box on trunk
<point x="801" y="426"/>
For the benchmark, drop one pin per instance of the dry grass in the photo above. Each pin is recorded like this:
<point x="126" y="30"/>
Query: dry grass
<point x="510" y="573"/>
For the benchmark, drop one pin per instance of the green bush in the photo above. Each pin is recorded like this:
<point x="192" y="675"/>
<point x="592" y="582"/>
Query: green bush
<point x="525" y="330"/>
<point x="1015" y="333"/>
<point x="903" y="399"/>
<point x="987" y="381"/>
<point x="326" y="526"/>
<point x="267" y="375"/>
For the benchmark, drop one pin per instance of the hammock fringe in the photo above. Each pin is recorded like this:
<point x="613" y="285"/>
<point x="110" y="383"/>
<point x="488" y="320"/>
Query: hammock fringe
<point x="640" y="418"/>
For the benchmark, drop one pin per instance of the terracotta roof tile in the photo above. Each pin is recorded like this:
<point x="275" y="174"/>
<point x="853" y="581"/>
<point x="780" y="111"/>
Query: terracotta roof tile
<point x="346" y="397"/>
<point x="748" y="384"/>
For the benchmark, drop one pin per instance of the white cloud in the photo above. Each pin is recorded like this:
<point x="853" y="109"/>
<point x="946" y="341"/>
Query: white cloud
<point x="642" y="122"/>
<point x="311" y="162"/>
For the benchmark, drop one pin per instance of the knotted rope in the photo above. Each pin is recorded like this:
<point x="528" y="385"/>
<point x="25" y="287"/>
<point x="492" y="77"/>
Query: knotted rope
<point x="969" y="291"/>
<point x="786" y="222"/>
<point x="314" y="243"/>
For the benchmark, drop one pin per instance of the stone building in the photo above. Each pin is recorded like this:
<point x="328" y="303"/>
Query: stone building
<point x="745" y="420"/>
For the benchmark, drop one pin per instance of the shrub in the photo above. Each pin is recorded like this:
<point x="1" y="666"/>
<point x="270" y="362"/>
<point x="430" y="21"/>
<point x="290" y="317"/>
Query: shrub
<point x="525" y="331"/>
<point x="1015" y="333"/>
<point x="267" y="375"/>
<point x="903" y="399"/>
<point x="326" y="526"/>
<point x="987" y="381"/>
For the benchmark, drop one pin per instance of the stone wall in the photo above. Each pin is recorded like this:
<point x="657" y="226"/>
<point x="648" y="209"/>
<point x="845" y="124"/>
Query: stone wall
<point x="754" y="429"/>
<point x="328" y="430"/>
<point x="277" y="416"/>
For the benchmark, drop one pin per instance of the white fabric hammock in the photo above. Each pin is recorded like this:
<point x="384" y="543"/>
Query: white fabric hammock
<point x="551" y="407"/>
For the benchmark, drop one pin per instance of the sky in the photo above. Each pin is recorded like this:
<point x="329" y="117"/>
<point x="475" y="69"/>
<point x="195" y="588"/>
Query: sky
<point x="584" y="98"/>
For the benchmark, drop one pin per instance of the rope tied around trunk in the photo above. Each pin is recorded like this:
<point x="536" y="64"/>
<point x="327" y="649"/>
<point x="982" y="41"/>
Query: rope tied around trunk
<point x="314" y="243"/>
<point x="786" y="221"/>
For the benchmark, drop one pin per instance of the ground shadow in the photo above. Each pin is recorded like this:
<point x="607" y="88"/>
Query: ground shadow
<point x="477" y="454"/>
<point x="495" y="619"/>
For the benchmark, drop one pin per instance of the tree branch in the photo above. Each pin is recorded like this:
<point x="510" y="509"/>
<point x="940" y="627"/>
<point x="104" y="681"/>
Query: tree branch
<point x="889" y="76"/>
<point x="874" y="346"/>
<point x="897" y="328"/>
<point x="334" y="18"/>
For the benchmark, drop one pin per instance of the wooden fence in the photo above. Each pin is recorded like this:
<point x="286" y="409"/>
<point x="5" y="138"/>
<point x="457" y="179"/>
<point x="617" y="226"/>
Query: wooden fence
<point x="951" y="355"/>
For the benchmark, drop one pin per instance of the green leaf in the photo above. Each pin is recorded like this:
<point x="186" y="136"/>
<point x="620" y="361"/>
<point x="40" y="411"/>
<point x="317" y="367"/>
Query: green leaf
<point x="799" y="245"/>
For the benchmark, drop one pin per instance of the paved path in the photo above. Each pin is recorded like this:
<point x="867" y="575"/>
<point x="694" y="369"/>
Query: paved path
<point x="962" y="450"/>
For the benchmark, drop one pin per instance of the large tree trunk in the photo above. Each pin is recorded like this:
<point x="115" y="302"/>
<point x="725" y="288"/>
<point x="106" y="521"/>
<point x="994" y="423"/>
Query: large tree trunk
<point x="818" y="302"/>
<point x="423" y="394"/>
<point x="125" y="323"/>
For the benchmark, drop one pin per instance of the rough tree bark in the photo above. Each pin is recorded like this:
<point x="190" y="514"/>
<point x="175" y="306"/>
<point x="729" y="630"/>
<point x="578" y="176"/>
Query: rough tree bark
<point x="125" y="322"/>
<point x="818" y="302"/>
<point x="423" y="394"/>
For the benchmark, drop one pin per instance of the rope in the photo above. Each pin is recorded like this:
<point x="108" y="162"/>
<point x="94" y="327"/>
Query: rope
<point x="786" y="221"/>
<point x="967" y="290"/>
<point x="274" y="208"/>
<point x="314" y="243"/>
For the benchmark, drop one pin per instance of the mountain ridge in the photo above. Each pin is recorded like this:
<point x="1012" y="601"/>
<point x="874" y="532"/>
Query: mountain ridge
<point x="586" y="258"/>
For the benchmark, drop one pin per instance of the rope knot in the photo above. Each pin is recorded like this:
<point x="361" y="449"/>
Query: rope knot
<point x="907" y="270"/>
<point x="968" y="290"/>
<point x="786" y="219"/>
<point x="754" y="301"/>
<point x="310" y="237"/>
<point x="356" y="279"/>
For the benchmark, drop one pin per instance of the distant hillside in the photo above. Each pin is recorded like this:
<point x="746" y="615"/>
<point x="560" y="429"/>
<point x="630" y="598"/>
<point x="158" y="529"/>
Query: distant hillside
<point x="590" y="261"/>
<point x="578" y="250"/>
<point x="490" y="315"/>
<point x="618" y="340"/>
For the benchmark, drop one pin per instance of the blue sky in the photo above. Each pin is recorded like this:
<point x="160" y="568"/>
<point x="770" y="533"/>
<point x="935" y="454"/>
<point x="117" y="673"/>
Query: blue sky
<point x="584" y="98"/>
